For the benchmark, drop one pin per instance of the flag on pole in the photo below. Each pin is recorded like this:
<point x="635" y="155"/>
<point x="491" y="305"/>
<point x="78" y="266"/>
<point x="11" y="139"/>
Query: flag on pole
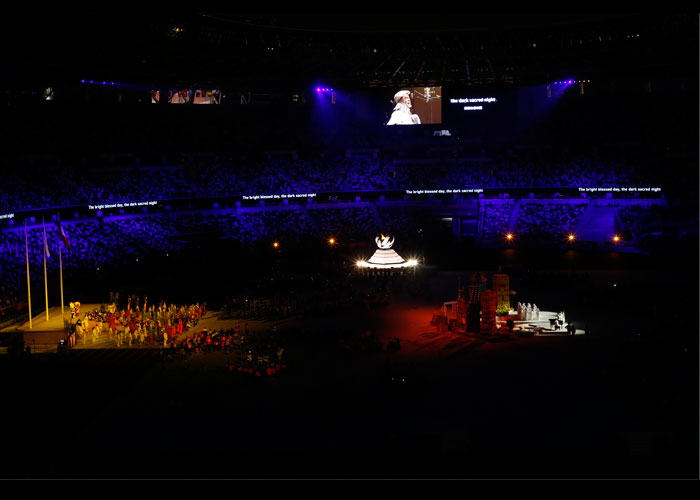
<point x="66" y="243"/>
<point x="29" y="291"/>
<point x="60" y="260"/>
<point x="46" y="244"/>
<point x="46" y="255"/>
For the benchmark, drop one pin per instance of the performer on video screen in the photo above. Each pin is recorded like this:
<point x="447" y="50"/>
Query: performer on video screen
<point x="401" y="114"/>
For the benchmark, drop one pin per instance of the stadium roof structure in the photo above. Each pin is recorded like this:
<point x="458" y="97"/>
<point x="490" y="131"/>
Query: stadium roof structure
<point x="244" y="51"/>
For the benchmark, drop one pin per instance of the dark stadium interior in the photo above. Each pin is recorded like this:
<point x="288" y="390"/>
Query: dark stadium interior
<point x="548" y="136"/>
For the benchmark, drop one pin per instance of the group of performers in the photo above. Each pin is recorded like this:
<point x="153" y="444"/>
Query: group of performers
<point x="155" y="325"/>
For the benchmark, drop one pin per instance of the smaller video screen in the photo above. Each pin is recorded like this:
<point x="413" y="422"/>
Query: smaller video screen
<point x="188" y="96"/>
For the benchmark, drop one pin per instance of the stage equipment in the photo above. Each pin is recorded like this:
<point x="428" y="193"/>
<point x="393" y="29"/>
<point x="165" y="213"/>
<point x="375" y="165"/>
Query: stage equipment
<point x="501" y="285"/>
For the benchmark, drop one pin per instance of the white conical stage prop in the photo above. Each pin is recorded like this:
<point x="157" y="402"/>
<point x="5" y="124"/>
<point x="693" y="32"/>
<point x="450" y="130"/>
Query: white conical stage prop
<point x="385" y="257"/>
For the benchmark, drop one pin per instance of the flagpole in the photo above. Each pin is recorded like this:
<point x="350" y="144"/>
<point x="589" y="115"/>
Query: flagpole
<point x="60" y="263"/>
<point x="60" y="275"/>
<point x="46" y="288"/>
<point x="29" y="292"/>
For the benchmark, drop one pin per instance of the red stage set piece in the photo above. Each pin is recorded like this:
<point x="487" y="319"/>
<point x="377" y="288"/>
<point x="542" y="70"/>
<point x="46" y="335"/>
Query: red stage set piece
<point x="477" y="311"/>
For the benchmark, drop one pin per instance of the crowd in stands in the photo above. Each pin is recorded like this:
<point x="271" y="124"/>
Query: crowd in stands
<point x="117" y="241"/>
<point x="93" y="244"/>
<point x="520" y="171"/>
<point x="643" y="221"/>
<point x="399" y="223"/>
<point x="351" y="223"/>
<point x="103" y="244"/>
<point x="56" y="185"/>
<point x="495" y="220"/>
<point x="548" y="220"/>
<point x="291" y="225"/>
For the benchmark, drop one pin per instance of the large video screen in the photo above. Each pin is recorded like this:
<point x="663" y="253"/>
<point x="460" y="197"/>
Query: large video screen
<point x="415" y="106"/>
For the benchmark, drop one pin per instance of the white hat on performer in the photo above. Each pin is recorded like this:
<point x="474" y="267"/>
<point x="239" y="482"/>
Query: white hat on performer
<point x="400" y="95"/>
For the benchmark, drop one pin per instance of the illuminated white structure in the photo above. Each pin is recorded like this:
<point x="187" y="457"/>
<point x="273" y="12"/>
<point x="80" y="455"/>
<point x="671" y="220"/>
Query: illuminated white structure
<point x="385" y="257"/>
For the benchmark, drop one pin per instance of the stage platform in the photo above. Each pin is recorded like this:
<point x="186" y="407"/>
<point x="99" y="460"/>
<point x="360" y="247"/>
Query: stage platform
<point x="542" y="326"/>
<point x="43" y="335"/>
